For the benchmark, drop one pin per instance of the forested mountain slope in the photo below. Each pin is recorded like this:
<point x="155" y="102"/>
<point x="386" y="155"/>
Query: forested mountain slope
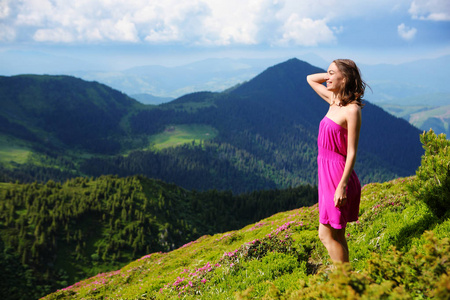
<point x="63" y="111"/>
<point x="269" y="126"/>
<point x="264" y="133"/>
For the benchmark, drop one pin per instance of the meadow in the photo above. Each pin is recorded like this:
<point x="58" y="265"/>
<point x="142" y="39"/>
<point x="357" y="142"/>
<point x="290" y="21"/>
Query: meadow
<point x="12" y="151"/>
<point x="178" y="135"/>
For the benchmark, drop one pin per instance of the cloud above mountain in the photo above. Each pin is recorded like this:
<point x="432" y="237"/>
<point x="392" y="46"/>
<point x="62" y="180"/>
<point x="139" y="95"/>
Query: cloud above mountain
<point x="434" y="10"/>
<point x="406" y="32"/>
<point x="197" y="22"/>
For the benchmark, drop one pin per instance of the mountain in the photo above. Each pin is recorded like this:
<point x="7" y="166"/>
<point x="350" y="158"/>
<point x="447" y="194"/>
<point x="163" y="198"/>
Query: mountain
<point x="278" y="108"/>
<point x="55" y="109"/>
<point x="260" y="134"/>
<point x="405" y="84"/>
<point x="392" y="83"/>
<point x="396" y="84"/>
<point x="399" y="249"/>
<point x="283" y="90"/>
<point x="209" y="74"/>
<point x="150" y="99"/>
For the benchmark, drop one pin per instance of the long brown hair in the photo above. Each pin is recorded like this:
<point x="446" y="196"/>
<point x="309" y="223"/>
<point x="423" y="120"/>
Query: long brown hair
<point x="353" y="86"/>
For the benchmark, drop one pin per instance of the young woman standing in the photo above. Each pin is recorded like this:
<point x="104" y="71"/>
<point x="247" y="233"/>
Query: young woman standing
<point x="339" y="187"/>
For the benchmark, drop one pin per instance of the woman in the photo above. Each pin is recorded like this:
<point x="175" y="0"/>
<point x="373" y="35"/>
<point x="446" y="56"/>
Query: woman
<point x="339" y="187"/>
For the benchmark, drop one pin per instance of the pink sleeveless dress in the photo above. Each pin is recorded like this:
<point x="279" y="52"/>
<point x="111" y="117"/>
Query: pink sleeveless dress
<point x="332" y="149"/>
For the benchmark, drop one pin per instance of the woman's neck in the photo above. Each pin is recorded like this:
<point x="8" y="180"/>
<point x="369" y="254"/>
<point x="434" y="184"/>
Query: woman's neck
<point x="335" y="99"/>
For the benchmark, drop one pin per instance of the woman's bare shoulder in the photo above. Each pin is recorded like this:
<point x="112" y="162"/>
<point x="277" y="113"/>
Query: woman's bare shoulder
<point x="353" y="108"/>
<point x="353" y="113"/>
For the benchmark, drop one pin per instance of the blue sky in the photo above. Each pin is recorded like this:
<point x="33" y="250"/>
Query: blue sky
<point x="119" y="34"/>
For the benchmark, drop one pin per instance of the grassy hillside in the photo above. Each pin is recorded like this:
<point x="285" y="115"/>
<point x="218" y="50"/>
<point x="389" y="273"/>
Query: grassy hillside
<point x="53" y="234"/>
<point x="399" y="249"/>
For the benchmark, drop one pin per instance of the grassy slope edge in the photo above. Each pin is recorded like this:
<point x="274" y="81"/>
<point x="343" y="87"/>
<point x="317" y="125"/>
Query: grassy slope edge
<point x="399" y="248"/>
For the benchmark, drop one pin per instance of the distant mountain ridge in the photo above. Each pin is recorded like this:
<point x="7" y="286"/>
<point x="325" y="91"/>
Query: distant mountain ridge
<point x="393" y="84"/>
<point x="266" y="136"/>
<point x="423" y="115"/>
<point x="209" y="74"/>
<point x="65" y="109"/>
<point x="150" y="99"/>
<point x="396" y="84"/>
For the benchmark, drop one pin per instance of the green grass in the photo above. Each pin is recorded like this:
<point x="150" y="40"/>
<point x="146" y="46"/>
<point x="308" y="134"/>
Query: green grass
<point x="178" y="135"/>
<point x="12" y="151"/>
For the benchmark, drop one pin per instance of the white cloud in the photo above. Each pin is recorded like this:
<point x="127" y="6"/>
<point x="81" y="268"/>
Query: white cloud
<point x="406" y="32"/>
<point x="241" y="22"/>
<point x="34" y="12"/>
<point x="433" y="10"/>
<point x="205" y="22"/>
<point x="4" y="9"/>
<point x="123" y="30"/>
<point x="306" y="32"/>
<point x="191" y="22"/>
<point x="56" y="35"/>
<point x="172" y="21"/>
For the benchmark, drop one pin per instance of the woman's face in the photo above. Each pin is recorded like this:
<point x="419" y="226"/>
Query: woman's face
<point x="335" y="79"/>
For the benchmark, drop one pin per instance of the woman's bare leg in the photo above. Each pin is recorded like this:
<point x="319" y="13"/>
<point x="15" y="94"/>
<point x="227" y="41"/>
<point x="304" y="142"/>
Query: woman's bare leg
<point x="335" y="242"/>
<point x="341" y="238"/>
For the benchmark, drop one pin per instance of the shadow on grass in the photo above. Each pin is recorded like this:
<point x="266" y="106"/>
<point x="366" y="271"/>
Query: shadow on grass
<point x="415" y="230"/>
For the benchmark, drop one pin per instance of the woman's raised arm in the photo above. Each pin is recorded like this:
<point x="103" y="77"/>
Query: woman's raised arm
<point x="315" y="81"/>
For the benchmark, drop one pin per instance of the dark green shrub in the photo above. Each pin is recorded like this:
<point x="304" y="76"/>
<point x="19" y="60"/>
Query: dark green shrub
<point x="420" y="273"/>
<point x="432" y="185"/>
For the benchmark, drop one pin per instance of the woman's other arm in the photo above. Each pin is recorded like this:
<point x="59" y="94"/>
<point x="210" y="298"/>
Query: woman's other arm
<point x="316" y="82"/>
